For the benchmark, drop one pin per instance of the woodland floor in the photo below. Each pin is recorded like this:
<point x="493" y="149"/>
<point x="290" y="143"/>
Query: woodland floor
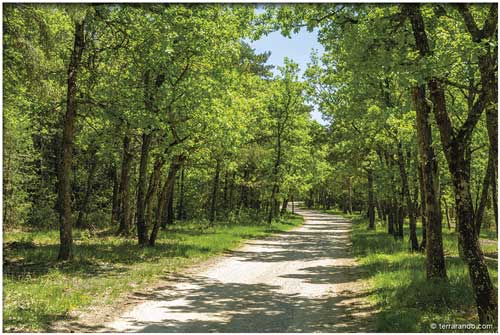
<point x="304" y="280"/>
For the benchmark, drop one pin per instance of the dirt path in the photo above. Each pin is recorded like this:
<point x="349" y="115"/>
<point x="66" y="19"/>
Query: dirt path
<point x="304" y="280"/>
<point x="301" y="281"/>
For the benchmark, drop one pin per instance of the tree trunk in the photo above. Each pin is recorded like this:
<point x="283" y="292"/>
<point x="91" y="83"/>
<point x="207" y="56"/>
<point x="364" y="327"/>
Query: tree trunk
<point x="434" y="244"/>
<point x="489" y="83"/>
<point x="485" y="292"/>
<point x="447" y="212"/>
<point x="274" y="211"/>
<point x="401" y="219"/>
<point x="494" y="199"/>
<point x="180" y="205"/>
<point x="310" y="200"/>
<point x="349" y="195"/>
<point x="434" y="241"/>
<point x="380" y="212"/>
<point x="391" y="218"/>
<point x="124" y="200"/>
<point x="488" y="177"/>
<point x="284" y="206"/>
<point x="215" y="188"/>
<point x="115" y="208"/>
<point x="272" y="204"/>
<point x="168" y="214"/>
<point x="153" y="190"/>
<point x="231" y="192"/>
<point x="383" y="208"/>
<point x="344" y="205"/>
<point x="276" y="205"/>
<point x="168" y="207"/>
<point x="487" y="62"/>
<point x="456" y="148"/>
<point x="88" y="189"/>
<point x="65" y="215"/>
<point x="175" y="165"/>
<point x="142" y="230"/>
<point x="395" y="208"/>
<point x="371" y="205"/>
<point x="422" y="206"/>
<point x="412" y="213"/>
<point x="244" y="189"/>
<point x="225" y="189"/>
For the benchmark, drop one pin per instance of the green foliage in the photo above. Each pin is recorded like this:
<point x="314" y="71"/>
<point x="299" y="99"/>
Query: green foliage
<point x="209" y="95"/>
<point x="183" y="75"/>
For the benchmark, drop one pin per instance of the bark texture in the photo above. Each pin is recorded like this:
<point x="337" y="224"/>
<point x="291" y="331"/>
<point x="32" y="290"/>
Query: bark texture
<point x="142" y="229"/>
<point x="412" y="213"/>
<point x="175" y="165"/>
<point x="435" y="266"/>
<point x="64" y="192"/>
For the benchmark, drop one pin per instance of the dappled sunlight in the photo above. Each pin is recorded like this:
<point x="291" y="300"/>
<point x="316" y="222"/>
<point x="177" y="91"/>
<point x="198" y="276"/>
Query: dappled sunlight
<point x="304" y="280"/>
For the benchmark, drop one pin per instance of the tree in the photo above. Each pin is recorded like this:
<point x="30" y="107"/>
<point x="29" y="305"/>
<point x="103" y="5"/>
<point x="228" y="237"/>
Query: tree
<point x="65" y="213"/>
<point x="286" y="109"/>
<point x="456" y="146"/>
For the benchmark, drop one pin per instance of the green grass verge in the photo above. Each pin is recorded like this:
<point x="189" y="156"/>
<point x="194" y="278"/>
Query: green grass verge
<point x="38" y="291"/>
<point x="406" y="300"/>
<point x="489" y="234"/>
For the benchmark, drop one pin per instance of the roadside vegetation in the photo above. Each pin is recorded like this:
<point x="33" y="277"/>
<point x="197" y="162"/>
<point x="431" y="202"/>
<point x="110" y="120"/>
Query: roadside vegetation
<point x="404" y="298"/>
<point x="38" y="290"/>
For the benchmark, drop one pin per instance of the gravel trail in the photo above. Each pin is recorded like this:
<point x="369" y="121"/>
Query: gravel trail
<point x="304" y="280"/>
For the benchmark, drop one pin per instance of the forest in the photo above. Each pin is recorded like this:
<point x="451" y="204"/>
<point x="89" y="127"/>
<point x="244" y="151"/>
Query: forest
<point x="140" y="139"/>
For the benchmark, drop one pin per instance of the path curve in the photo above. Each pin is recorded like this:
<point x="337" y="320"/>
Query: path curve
<point x="304" y="280"/>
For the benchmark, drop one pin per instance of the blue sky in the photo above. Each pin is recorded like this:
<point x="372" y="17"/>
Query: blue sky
<point x="298" y="48"/>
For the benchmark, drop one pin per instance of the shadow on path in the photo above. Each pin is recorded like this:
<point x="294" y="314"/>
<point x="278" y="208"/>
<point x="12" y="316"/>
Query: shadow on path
<point x="304" y="280"/>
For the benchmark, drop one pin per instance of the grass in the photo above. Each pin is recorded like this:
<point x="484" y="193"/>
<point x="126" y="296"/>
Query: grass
<point x="488" y="234"/>
<point x="37" y="290"/>
<point x="406" y="300"/>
